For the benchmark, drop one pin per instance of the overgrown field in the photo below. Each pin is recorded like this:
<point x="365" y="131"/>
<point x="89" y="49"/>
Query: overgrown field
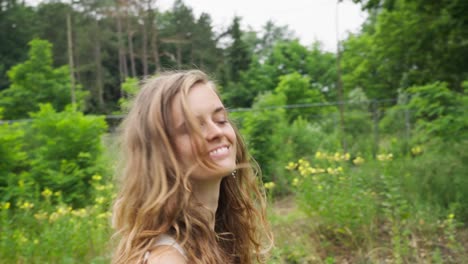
<point x="383" y="189"/>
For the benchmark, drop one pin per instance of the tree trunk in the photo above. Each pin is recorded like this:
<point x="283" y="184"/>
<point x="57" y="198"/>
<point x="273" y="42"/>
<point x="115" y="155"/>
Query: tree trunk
<point x="99" y="90"/>
<point x="122" y="58"/>
<point x="144" y="49"/>
<point x="70" y="61"/>
<point x="130" y="46"/>
<point x="154" y="36"/>
<point x="179" y="56"/>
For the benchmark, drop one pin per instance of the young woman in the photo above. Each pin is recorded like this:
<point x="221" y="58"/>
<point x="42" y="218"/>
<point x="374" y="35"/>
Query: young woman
<point x="188" y="191"/>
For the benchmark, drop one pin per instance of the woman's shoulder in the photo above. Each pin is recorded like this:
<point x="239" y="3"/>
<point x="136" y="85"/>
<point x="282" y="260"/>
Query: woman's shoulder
<point x="165" y="254"/>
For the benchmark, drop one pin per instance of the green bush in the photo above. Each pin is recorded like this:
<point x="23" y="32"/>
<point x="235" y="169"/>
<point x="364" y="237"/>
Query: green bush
<point x="13" y="159"/>
<point x="263" y="128"/>
<point x="437" y="176"/>
<point x="439" y="112"/>
<point x="65" y="151"/>
<point x="331" y="191"/>
<point x="37" y="81"/>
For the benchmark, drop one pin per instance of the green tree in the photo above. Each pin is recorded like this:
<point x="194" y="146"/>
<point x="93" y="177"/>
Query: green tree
<point x="36" y="81"/>
<point x="257" y="79"/>
<point x="65" y="151"/>
<point x="408" y="43"/>
<point x="298" y="91"/>
<point x="321" y="69"/>
<point x="205" y="55"/>
<point x="176" y="30"/>
<point x="439" y="112"/>
<point x="238" y="51"/>
<point x="17" y="28"/>
<point x="263" y="130"/>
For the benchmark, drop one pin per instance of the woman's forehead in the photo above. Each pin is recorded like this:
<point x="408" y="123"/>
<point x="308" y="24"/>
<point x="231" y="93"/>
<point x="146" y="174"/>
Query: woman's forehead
<point x="201" y="100"/>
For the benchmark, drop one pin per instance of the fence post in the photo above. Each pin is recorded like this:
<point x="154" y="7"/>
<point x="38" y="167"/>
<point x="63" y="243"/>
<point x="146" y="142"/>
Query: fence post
<point x="375" y="118"/>
<point x="407" y="128"/>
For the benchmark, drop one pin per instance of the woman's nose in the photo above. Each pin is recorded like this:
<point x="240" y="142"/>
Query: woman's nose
<point x="212" y="130"/>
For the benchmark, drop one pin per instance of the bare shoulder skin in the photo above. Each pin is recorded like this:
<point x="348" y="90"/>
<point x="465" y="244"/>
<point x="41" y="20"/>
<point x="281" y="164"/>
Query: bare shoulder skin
<point x="166" y="255"/>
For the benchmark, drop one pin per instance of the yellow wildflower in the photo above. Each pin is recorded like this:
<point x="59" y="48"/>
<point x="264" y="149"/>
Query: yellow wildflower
<point x="100" y="200"/>
<point x="100" y="187"/>
<point x="102" y="215"/>
<point x="79" y="213"/>
<point x="46" y="193"/>
<point x="295" y="182"/>
<point x="5" y="206"/>
<point x="62" y="210"/>
<point x="385" y="157"/>
<point x="41" y="216"/>
<point x="97" y="177"/>
<point x="26" y="205"/>
<point x="291" y="166"/>
<point x="346" y="156"/>
<point x="416" y="150"/>
<point x="318" y="155"/>
<point x="337" y="156"/>
<point x="269" y="185"/>
<point x="54" y="216"/>
<point x="358" y="161"/>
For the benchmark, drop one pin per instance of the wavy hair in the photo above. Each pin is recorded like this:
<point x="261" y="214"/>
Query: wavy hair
<point x="155" y="191"/>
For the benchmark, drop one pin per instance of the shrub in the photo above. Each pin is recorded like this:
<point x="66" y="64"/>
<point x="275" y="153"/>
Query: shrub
<point x="65" y="150"/>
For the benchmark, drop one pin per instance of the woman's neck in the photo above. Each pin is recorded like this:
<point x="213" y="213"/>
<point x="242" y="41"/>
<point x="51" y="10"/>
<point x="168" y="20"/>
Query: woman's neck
<point x="207" y="193"/>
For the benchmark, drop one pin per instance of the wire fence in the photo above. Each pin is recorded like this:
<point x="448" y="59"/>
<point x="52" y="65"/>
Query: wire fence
<point x="369" y="120"/>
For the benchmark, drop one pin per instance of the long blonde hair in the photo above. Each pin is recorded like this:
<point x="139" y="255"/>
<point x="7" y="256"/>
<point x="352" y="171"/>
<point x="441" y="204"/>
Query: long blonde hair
<point x="155" y="191"/>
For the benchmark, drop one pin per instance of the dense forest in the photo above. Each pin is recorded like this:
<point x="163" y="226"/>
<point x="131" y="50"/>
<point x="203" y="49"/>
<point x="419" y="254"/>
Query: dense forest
<point x="362" y="150"/>
<point x="102" y="43"/>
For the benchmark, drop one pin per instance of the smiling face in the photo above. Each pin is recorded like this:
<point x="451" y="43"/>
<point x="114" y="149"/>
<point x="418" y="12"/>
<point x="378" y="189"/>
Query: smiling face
<point x="217" y="133"/>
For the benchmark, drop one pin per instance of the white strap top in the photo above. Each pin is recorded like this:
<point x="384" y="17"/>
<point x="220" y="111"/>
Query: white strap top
<point x="165" y="240"/>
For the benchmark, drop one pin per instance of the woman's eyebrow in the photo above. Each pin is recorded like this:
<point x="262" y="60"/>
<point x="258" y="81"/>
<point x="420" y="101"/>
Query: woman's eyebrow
<point x="219" y="109"/>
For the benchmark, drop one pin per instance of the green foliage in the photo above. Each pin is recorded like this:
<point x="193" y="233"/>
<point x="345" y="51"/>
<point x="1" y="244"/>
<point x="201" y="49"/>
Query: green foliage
<point x="262" y="128"/>
<point x="18" y="25"/>
<point x="439" y="111"/>
<point x="130" y="87"/>
<point x="407" y="43"/>
<point x="285" y="57"/>
<point x="43" y="230"/>
<point x="438" y="176"/>
<point x="305" y="138"/>
<point x="297" y="90"/>
<point x="343" y="201"/>
<point x="256" y="80"/>
<point x="36" y="81"/>
<point x="238" y="52"/>
<point x="13" y="156"/>
<point x="66" y="151"/>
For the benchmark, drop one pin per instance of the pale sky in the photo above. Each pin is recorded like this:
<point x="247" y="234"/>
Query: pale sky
<point x="309" y="19"/>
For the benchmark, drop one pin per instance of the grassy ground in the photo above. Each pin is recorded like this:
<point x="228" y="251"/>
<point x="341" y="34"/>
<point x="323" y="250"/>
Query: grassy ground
<point x="302" y="239"/>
